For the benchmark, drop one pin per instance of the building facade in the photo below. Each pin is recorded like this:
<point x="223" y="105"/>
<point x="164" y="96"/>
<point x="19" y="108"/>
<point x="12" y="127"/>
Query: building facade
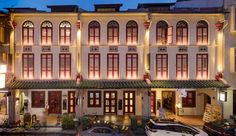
<point x="109" y="61"/>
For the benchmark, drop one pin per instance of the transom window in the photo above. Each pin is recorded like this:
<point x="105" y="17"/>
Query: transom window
<point x="46" y="33"/>
<point x="182" y="33"/>
<point x="28" y="33"/>
<point x="132" y="66"/>
<point x="162" y="66"/>
<point x="113" y="66"/>
<point x="46" y="66"/>
<point x="94" y="33"/>
<point x="94" y="98"/>
<point x="94" y="66"/>
<point x="113" y="33"/>
<point x="38" y="99"/>
<point x="65" y="33"/>
<point x="28" y="66"/>
<point x="65" y="66"/>
<point x="190" y="100"/>
<point x="202" y="33"/>
<point x="182" y="66"/>
<point x="132" y="33"/>
<point x="202" y="66"/>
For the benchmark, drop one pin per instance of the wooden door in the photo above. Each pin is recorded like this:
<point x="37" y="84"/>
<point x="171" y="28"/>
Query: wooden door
<point x="110" y="102"/>
<point x="129" y="102"/>
<point x="153" y="102"/>
<point x="71" y="101"/>
<point x="168" y="100"/>
<point x="54" y="102"/>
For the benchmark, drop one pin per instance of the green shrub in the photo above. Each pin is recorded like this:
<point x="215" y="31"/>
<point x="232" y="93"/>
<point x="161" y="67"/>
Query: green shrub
<point x="67" y="122"/>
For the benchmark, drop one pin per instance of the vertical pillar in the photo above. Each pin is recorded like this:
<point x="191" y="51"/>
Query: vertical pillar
<point x="11" y="101"/>
<point x="79" y="104"/>
<point x="147" y="103"/>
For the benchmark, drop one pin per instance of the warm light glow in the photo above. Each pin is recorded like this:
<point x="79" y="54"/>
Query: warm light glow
<point x="2" y="80"/>
<point x="3" y="69"/>
<point x="178" y="105"/>
<point x="223" y="96"/>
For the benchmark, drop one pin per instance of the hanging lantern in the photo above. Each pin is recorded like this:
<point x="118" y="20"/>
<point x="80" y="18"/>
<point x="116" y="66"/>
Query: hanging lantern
<point x="78" y="24"/>
<point x="147" y="24"/>
<point x="219" y="25"/>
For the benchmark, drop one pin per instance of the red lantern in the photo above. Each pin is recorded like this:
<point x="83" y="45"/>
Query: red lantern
<point x="147" y="24"/>
<point x="14" y="24"/>
<point x="219" y="25"/>
<point x="218" y="76"/>
<point x="78" y="24"/>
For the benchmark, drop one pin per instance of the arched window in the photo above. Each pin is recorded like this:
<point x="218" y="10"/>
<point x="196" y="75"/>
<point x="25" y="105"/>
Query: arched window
<point x="182" y="33"/>
<point x="202" y="33"/>
<point x="131" y="33"/>
<point x="161" y="33"/>
<point x="112" y="33"/>
<point x="65" y="33"/>
<point x="94" y="33"/>
<point x="28" y="33"/>
<point x="46" y="33"/>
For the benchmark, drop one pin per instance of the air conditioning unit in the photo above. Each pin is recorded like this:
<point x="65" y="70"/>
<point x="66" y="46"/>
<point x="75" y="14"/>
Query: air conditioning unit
<point x="232" y="60"/>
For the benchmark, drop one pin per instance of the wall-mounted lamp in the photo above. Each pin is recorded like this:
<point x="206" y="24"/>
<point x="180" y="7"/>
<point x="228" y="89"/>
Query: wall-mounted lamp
<point x="223" y="96"/>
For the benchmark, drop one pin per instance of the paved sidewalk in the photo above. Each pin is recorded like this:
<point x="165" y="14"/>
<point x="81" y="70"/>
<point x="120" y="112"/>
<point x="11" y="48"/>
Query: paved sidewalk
<point x="57" y="131"/>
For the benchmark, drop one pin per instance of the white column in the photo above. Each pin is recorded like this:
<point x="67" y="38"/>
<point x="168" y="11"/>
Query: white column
<point x="79" y="104"/>
<point x="146" y="102"/>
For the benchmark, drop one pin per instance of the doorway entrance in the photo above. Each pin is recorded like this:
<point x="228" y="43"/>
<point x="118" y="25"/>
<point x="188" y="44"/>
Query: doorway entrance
<point x="3" y="103"/>
<point x="110" y="102"/>
<point x="129" y="102"/>
<point x="71" y="101"/>
<point x="153" y="102"/>
<point x="54" y="102"/>
<point x="168" y="100"/>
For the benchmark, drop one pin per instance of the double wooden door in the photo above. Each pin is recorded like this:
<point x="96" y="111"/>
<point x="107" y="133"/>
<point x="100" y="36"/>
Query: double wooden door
<point x="54" y="102"/>
<point x="129" y="102"/>
<point x="110" y="102"/>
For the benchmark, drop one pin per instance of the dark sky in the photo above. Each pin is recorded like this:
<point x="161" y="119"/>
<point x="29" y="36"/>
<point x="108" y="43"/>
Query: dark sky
<point x="85" y="4"/>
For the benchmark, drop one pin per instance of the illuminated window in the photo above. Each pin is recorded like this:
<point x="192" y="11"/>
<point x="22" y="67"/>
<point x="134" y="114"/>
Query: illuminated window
<point x="64" y="66"/>
<point x="94" y="98"/>
<point x="94" y="66"/>
<point x="46" y="33"/>
<point x="202" y="66"/>
<point x="132" y="66"/>
<point x="162" y="66"/>
<point x="46" y="66"/>
<point x="28" y="66"/>
<point x="182" y="66"/>
<point x="113" y="66"/>
<point x="132" y="33"/>
<point x="182" y="33"/>
<point x="94" y="33"/>
<point x="190" y="100"/>
<point x="38" y="99"/>
<point x="65" y="33"/>
<point x="202" y="33"/>
<point x="28" y="33"/>
<point x="161" y="32"/>
<point x="113" y="33"/>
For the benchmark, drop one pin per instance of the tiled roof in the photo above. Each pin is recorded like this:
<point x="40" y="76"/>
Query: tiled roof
<point x="188" y="84"/>
<point x="42" y="84"/>
<point x="114" y="84"/>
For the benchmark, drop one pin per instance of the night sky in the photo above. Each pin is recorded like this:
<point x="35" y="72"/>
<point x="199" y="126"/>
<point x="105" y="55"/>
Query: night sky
<point x="85" y="4"/>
